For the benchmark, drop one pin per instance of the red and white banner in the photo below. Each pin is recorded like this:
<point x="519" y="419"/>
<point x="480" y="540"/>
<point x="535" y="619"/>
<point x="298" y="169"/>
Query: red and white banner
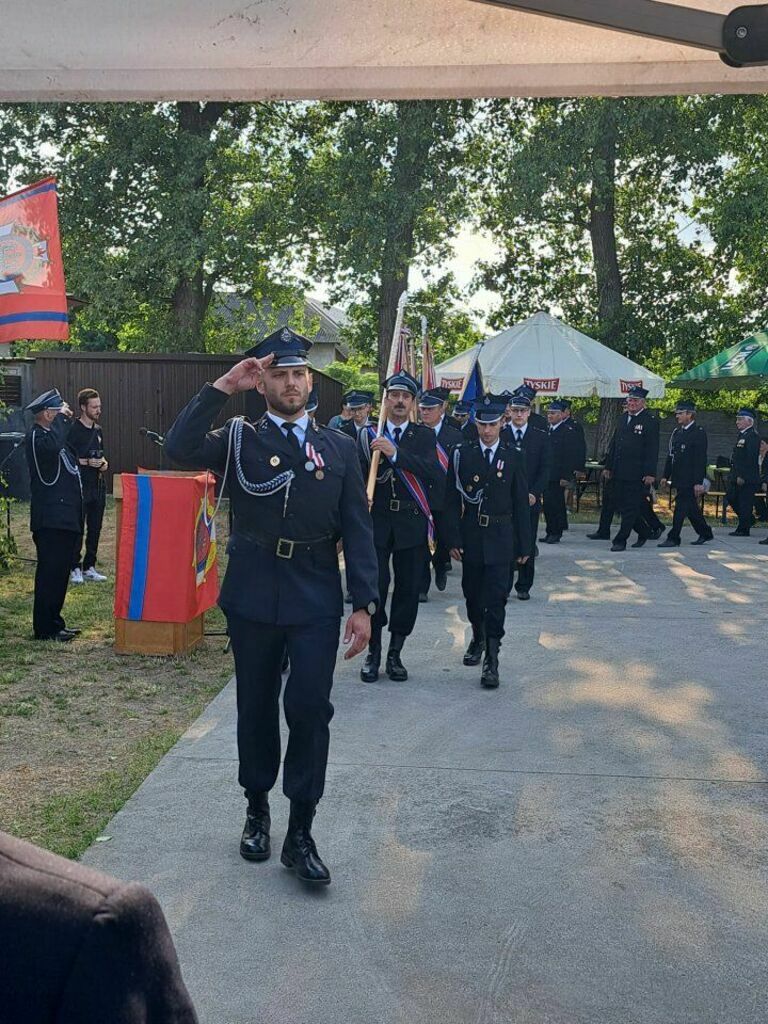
<point x="33" y="298"/>
<point x="452" y="383"/>
<point x="547" y="384"/>
<point x="626" y="385"/>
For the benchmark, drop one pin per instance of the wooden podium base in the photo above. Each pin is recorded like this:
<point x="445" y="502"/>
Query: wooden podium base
<point x="134" y="637"/>
<point x="158" y="638"/>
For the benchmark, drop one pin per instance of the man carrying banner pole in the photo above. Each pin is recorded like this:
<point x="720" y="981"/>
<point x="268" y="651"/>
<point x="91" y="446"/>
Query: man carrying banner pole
<point x="296" y="490"/>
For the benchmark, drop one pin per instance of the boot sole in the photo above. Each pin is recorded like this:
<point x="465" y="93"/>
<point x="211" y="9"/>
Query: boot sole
<point x="256" y="856"/>
<point x="288" y="863"/>
<point x="473" y="663"/>
<point x="397" y="677"/>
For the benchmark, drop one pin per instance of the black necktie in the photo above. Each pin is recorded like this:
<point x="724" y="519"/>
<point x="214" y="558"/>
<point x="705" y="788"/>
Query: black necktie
<point x="293" y="441"/>
<point x="488" y="457"/>
<point x="396" y="434"/>
<point x="519" y="436"/>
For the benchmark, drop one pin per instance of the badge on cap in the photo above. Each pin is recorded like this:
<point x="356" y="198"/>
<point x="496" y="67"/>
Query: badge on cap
<point x="275" y="460"/>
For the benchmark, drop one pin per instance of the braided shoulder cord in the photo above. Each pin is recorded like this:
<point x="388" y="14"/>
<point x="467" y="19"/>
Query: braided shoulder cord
<point x="64" y="459"/>
<point x="459" y="487"/>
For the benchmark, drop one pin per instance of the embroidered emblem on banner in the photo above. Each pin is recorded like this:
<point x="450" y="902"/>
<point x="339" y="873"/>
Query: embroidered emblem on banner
<point x="205" y="541"/>
<point x="23" y="258"/>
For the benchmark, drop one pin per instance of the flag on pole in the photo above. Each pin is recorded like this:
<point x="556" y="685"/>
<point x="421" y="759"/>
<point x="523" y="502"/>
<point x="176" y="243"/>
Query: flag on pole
<point x="403" y="355"/>
<point x="428" y="375"/>
<point x="473" y="389"/>
<point x="33" y="298"/>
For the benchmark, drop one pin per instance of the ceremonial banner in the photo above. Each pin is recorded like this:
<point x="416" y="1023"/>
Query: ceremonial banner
<point x="166" y="565"/>
<point x="33" y="299"/>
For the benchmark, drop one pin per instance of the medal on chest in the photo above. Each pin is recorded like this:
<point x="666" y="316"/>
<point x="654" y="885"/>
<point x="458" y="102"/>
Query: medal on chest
<point x="315" y="462"/>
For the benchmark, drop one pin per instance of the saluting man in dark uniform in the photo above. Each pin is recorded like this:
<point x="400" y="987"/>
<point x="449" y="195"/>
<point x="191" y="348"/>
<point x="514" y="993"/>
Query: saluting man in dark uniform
<point x="534" y="444"/>
<point x="56" y="511"/>
<point x="295" y="489"/>
<point x="631" y="464"/>
<point x="360" y="403"/>
<point x="401" y="516"/>
<point x="432" y="406"/>
<point x="745" y="471"/>
<point x="489" y="525"/>
<point x="685" y="469"/>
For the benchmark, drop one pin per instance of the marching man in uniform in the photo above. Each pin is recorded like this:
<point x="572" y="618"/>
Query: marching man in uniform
<point x="56" y="511"/>
<point x="296" y="489"/>
<point x="402" y="519"/>
<point x="432" y="408"/>
<point x="745" y="471"/>
<point x="489" y="527"/>
<point x="685" y="468"/>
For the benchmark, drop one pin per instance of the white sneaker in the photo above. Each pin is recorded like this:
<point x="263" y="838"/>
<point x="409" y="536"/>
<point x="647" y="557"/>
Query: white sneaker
<point x="91" y="574"/>
<point x="76" y="576"/>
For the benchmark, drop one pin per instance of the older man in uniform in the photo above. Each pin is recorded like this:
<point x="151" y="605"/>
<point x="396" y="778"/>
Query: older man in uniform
<point x="631" y="464"/>
<point x="685" y="469"/>
<point x="745" y="471"/>
<point x="401" y="516"/>
<point x="563" y="462"/>
<point x="295" y="489"/>
<point x="56" y="511"/>
<point x="432" y="406"/>
<point x="489" y="527"/>
<point x="534" y="444"/>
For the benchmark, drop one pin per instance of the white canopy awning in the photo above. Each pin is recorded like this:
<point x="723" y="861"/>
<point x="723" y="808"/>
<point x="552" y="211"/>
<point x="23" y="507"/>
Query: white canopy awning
<point x="79" y="50"/>
<point x="552" y="357"/>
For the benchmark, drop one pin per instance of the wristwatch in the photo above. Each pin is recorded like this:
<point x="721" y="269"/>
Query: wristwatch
<point x="370" y="608"/>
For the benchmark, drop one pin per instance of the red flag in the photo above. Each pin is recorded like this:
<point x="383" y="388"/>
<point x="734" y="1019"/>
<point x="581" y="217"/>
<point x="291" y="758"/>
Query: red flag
<point x="33" y="298"/>
<point x="403" y="360"/>
<point x="428" y="375"/>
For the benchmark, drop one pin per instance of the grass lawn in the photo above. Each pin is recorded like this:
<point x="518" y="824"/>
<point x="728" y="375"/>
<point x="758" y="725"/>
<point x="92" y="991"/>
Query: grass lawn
<point x="81" y="726"/>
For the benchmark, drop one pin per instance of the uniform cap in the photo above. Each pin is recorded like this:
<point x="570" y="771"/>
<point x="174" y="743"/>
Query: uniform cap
<point x="356" y="399"/>
<point x="520" y="402"/>
<point x="490" y="409"/>
<point x="288" y="348"/>
<point x="527" y="390"/>
<point x="637" y="392"/>
<point x="747" y="412"/>
<point x="685" y="405"/>
<point x="434" y="397"/>
<point x="556" y="406"/>
<point x="48" y="400"/>
<point x="402" y="381"/>
<point x="463" y="407"/>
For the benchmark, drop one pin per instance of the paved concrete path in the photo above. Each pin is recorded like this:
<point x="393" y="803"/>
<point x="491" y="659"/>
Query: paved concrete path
<point x="588" y="845"/>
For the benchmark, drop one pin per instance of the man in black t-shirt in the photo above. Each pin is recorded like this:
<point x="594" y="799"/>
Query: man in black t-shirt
<point x="86" y="440"/>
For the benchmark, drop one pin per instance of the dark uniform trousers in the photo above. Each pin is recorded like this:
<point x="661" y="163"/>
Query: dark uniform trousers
<point x="630" y="496"/>
<point x="555" y="515"/>
<point x="687" y="505"/>
<point x="55" y="552"/>
<point x="291" y="600"/>
<point x="485" y="589"/>
<point x="526" y="573"/>
<point x="608" y="510"/>
<point x="408" y="569"/>
<point x="258" y="651"/>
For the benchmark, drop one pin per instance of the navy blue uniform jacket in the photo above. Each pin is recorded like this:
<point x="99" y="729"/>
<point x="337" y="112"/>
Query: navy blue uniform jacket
<point x="535" y="448"/>
<point x="745" y="458"/>
<point x="259" y="585"/>
<point x="60" y="506"/>
<point x="508" y="533"/>
<point x="686" y="464"/>
<point x="634" y="448"/>
<point x="416" y="454"/>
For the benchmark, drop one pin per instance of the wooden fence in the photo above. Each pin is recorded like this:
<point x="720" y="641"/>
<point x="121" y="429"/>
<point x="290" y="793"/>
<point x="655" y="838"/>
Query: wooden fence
<point x="148" y="390"/>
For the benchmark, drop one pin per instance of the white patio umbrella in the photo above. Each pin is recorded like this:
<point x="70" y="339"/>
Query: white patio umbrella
<point x="552" y="357"/>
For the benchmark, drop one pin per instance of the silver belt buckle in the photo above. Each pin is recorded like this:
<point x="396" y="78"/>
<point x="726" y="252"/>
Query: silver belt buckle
<point x="394" y="505"/>
<point x="285" y="548"/>
<point x="483" y="520"/>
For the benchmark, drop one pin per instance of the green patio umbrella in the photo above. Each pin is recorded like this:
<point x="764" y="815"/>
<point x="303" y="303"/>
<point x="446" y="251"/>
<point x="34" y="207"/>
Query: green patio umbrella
<point x="741" y="366"/>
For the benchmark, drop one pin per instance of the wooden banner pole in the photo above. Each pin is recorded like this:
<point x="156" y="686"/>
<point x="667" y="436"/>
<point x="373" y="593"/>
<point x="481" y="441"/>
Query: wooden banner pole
<point x="376" y="456"/>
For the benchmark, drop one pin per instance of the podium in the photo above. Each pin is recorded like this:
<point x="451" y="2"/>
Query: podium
<point x="166" y="571"/>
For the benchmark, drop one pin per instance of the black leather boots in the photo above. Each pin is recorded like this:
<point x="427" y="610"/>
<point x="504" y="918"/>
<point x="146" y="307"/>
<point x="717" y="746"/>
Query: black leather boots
<point x="474" y="652"/>
<point x="254" y="844"/>
<point x="396" y="670"/>
<point x="490" y="676"/>
<point x="299" y="850"/>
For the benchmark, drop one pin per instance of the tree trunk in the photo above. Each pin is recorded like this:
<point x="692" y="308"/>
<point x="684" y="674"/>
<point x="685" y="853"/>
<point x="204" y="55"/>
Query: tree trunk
<point x="191" y="294"/>
<point x="414" y="140"/>
<point x="602" y="230"/>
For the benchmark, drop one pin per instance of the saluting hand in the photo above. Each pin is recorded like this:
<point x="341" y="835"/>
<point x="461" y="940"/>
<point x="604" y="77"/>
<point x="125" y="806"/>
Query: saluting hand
<point x="244" y="376"/>
<point x="357" y="633"/>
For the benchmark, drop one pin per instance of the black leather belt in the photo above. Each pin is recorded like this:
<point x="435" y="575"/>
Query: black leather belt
<point x="396" y="505"/>
<point x="283" y="547"/>
<point x="484" y="520"/>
